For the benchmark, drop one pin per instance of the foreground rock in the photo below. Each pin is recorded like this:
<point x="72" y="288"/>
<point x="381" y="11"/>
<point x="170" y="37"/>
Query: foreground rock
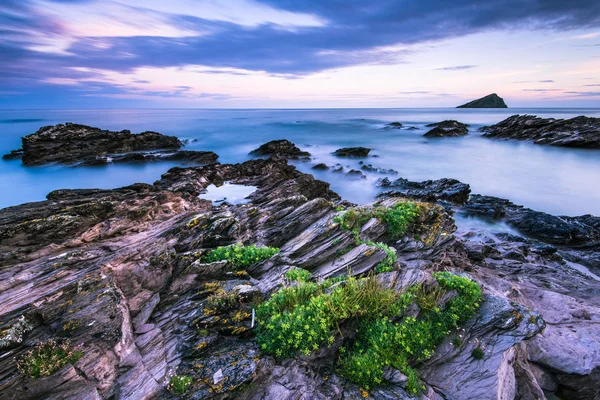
<point x="575" y="132"/>
<point x="352" y="152"/>
<point x="448" y="128"/>
<point x="80" y="144"/>
<point x="121" y="272"/>
<point x="489" y="101"/>
<point x="280" y="148"/>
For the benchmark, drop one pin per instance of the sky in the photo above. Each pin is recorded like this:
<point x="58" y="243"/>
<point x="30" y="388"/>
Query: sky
<point x="297" y="53"/>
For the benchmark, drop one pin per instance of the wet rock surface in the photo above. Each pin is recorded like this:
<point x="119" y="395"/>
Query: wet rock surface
<point x="280" y="148"/>
<point x="448" y="128"/>
<point x="441" y="189"/>
<point x="580" y="131"/>
<point x="352" y="152"/>
<point x="121" y="273"/>
<point x="80" y="144"/>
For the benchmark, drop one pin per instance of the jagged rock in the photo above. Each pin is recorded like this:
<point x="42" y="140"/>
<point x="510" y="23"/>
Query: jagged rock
<point x="393" y="125"/>
<point x="354" y="173"/>
<point x="352" y="152"/>
<point x="280" y="148"/>
<point x="122" y="272"/>
<point x="448" y="128"/>
<point x="489" y="101"/>
<point x="441" y="189"/>
<point x="545" y="227"/>
<point x="13" y="155"/>
<point x="371" y="168"/>
<point x="72" y="143"/>
<point x="575" y="132"/>
<point x="321" y="166"/>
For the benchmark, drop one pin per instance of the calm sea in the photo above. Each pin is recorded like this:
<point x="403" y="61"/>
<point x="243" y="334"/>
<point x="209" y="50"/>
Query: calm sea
<point x="555" y="180"/>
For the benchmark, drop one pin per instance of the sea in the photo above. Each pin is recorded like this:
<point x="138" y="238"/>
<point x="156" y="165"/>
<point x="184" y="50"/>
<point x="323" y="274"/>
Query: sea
<point x="560" y="181"/>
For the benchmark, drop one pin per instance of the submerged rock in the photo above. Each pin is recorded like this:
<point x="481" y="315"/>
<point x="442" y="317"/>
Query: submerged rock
<point x="72" y="144"/>
<point x="393" y="125"/>
<point x="320" y="166"/>
<point x="575" y="132"/>
<point x="489" y="101"/>
<point x="280" y="148"/>
<point x="352" y="152"/>
<point x="448" y="128"/>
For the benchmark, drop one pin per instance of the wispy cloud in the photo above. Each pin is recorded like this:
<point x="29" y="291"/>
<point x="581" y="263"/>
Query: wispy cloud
<point x="542" y="90"/>
<point x="456" y="68"/>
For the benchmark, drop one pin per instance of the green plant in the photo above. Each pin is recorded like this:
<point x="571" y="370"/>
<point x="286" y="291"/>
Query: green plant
<point x="387" y="265"/>
<point x="179" y="384"/>
<point x="303" y="318"/>
<point x="240" y="256"/>
<point x="397" y="218"/>
<point x="298" y="275"/>
<point x="48" y="357"/>
<point x="478" y="353"/>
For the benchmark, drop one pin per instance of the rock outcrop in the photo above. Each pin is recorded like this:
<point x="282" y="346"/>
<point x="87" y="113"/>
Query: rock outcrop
<point x="448" y="128"/>
<point x="280" y="148"/>
<point x="580" y="131"/>
<point x="442" y="189"/>
<point x="489" y="101"/>
<point x="80" y="144"/>
<point x="352" y="152"/>
<point x="122" y="273"/>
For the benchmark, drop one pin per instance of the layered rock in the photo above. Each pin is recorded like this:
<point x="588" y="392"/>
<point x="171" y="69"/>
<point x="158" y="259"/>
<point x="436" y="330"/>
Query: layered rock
<point x="442" y="189"/>
<point x="489" y="101"/>
<point x="74" y="144"/>
<point x="448" y="128"/>
<point x="122" y="273"/>
<point x="575" y="132"/>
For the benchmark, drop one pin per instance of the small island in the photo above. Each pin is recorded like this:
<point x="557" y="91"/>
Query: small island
<point x="489" y="101"/>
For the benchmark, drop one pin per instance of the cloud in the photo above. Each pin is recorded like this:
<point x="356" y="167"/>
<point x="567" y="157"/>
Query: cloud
<point x="595" y="85"/>
<point x="43" y="41"/>
<point x="456" y="68"/>
<point x="542" y="90"/>
<point x="416" y="92"/>
<point x="584" y="94"/>
<point x="546" y="81"/>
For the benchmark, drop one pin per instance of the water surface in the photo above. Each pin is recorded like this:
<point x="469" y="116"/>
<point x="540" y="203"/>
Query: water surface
<point x="551" y="179"/>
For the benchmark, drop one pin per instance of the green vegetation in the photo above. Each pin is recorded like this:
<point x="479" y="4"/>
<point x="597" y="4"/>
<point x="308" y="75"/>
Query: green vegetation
<point x="298" y="275"/>
<point x="397" y="218"/>
<point x="387" y="265"/>
<point x="48" y="357"/>
<point x="478" y="353"/>
<point x="179" y="384"/>
<point x="240" y="256"/>
<point x="301" y="319"/>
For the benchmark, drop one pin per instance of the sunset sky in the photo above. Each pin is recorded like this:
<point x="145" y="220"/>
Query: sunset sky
<point x="297" y="53"/>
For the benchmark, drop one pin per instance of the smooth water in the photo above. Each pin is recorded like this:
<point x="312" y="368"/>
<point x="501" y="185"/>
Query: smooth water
<point x="551" y="179"/>
<point x="228" y="192"/>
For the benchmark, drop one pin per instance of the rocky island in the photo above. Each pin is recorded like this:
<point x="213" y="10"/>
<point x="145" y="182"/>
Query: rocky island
<point x="580" y="131"/>
<point x="149" y="291"/>
<point x="489" y="101"/>
<point x="85" y="145"/>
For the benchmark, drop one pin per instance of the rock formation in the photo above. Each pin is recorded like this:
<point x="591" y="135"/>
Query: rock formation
<point x="84" y="145"/>
<point x="352" y="152"/>
<point x="123" y="274"/>
<point x="489" y="101"/>
<point x="448" y="128"/>
<point x="280" y="148"/>
<point x="575" y="132"/>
